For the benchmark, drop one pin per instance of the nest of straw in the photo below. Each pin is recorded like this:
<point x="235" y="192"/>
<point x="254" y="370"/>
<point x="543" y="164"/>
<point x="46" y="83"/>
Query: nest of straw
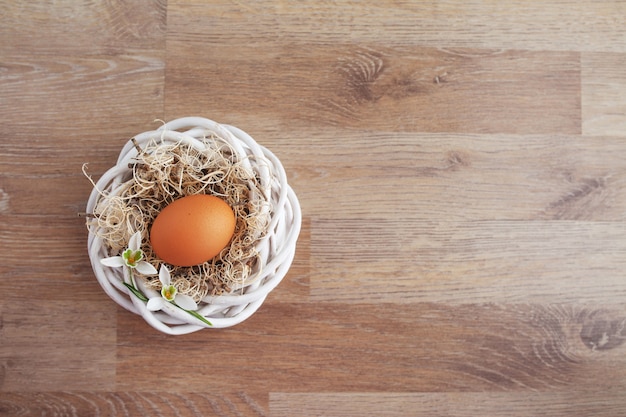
<point x="164" y="172"/>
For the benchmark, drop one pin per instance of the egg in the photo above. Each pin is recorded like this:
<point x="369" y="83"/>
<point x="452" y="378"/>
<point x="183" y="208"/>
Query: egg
<point x="192" y="230"/>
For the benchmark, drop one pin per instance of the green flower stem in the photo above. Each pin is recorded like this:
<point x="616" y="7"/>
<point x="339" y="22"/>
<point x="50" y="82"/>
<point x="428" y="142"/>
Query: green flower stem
<point x="133" y="288"/>
<point x="194" y="313"/>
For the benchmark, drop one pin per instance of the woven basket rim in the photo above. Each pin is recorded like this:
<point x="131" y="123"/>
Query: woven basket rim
<point x="277" y="247"/>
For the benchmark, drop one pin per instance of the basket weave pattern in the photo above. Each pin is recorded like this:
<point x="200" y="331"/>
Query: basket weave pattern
<point x="276" y="248"/>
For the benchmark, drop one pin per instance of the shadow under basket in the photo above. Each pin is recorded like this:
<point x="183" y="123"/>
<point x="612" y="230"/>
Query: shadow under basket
<point x="276" y="248"/>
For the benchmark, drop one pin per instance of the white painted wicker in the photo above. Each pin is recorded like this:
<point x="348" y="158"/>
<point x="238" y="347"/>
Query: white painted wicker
<point x="276" y="248"/>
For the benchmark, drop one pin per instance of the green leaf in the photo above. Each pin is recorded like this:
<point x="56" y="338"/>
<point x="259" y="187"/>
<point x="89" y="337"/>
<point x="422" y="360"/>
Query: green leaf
<point x="199" y="316"/>
<point x="135" y="291"/>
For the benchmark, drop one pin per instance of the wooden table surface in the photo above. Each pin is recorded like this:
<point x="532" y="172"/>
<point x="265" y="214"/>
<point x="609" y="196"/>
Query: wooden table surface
<point x="462" y="175"/>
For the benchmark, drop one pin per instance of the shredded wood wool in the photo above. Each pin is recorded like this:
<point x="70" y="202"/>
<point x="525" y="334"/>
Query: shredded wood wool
<point x="164" y="172"/>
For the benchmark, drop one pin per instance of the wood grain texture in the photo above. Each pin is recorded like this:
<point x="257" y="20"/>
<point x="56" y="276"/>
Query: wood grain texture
<point x="405" y="261"/>
<point x="67" y="94"/>
<point x="574" y="403"/>
<point x="82" y="27"/>
<point x="421" y="347"/>
<point x="461" y="173"/>
<point x="520" y="25"/>
<point x="457" y="177"/>
<point x="131" y="403"/>
<point x="400" y="89"/>
<point x="604" y="105"/>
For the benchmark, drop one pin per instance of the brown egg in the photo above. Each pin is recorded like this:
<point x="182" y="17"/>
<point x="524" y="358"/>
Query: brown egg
<point x="192" y="230"/>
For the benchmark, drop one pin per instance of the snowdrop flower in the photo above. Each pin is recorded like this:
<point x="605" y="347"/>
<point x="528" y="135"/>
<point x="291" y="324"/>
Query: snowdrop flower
<point x="169" y="294"/>
<point x="131" y="257"/>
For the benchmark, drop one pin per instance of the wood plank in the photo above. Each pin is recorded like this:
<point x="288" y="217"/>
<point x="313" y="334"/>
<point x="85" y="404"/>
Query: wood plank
<point x="338" y="347"/>
<point x="604" y="94"/>
<point x="53" y="241"/>
<point x="79" y="97"/>
<point x="65" y="194"/>
<point x="295" y="287"/>
<point x="553" y="404"/>
<point x="530" y="25"/>
<point x="56" y="345"/>
<point x="448" y="177"/>
<point x="57" y="326"/>
<point x="399" y="260"/>
<point x="81" y="27"/>
<point x="412" y="88"/>
<point x="27" y="155"/>
<point x="131" y="403"/>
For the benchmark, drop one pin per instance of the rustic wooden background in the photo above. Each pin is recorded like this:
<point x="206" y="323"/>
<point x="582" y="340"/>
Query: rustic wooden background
<point x="461" y="169"/>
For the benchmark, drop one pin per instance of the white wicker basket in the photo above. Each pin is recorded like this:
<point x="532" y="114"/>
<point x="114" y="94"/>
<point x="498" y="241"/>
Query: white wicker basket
<point x="276" y="248"/>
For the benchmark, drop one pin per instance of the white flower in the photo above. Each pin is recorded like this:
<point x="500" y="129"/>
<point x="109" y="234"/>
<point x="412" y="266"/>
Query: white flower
<point x="169" y="294"/>
<point x="131" y="257"/>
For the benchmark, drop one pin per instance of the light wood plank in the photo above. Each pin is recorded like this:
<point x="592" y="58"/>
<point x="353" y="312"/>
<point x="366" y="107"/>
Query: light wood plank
<point x="530" y="25"/>
<point x="53" y="241"/>
<point x="398" y="260"/>
<point x="58" y="157"/>
<point x="73" y="75"/>
<point x="81" y="27"/>
<point x="604" y="94"/>
<point x="295" y="286"/>
<point x="575" y="403"/>
<point x="55" y="344"/>
<point x="446" y="177"/>
<point x="79" y="97"/>
<point x="411" y="88"/>
<point x="386" y="348"/>
<point x="65" y="193"/>
<point x="132" y="403"/>
<point x="58" y="328"/>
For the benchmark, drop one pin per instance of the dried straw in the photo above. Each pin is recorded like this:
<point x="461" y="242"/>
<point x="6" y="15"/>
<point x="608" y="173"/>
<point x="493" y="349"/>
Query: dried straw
<point x="164" y="172"/>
